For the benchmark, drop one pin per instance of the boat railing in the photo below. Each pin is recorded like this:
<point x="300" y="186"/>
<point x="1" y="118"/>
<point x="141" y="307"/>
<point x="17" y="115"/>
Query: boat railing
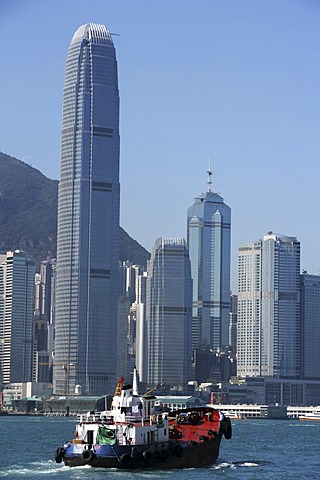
<point x="101" y="418"/>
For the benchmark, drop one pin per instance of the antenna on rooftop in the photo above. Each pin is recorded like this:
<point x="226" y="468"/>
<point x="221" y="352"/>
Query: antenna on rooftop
<point x="209" y="172"/>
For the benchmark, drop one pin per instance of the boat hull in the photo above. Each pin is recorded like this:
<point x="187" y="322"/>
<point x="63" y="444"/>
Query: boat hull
<point x="173" y="455"/>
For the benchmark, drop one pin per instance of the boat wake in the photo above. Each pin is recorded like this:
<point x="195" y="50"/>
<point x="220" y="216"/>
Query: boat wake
<point x="34" y="469"/>
<point x="233" y="465"/>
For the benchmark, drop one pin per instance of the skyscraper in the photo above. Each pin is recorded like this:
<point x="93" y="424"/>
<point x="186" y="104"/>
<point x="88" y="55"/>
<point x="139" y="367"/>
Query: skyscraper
<point x="168" y="314"/>
<point x="269" y="307"/>
<point x="16" y="317"/>
<point x="88" y="217"/>
<point x="209" y="232"/>
<point x="310" y="326"/>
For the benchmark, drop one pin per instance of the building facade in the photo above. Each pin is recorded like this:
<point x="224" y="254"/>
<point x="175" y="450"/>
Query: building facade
<point x="209" y="233"/>
<point x="268" y="342"/>
<point x="310" y="326"/>
<point x="168" y="313"/>
<point x="88" y="217"/>
<point x="17" y="275"/>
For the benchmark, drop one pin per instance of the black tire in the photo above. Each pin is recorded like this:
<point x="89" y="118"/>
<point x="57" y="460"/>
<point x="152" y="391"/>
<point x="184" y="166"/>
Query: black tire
<point x="164" y="454"/>
<point x="59" y="454"/>
<point x="147" y="455"/>
<point x="125" y="460"/>
<point x="227" y="428"/>
<point x="178" y="451"/>
<point x="87" y="456"/>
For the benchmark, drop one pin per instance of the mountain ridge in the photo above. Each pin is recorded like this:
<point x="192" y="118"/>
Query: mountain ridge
<point x="28" y="214"/>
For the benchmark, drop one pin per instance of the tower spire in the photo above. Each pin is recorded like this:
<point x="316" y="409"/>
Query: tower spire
<point x="209" y="172"/>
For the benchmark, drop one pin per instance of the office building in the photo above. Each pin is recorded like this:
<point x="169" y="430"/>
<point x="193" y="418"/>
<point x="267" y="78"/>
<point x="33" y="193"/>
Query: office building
<point x="17" y="275"/>
<point x="168" y="313"/>
<point x="268" y="343"/>
<point x="233" y="323"/>
<point x="209" y="230"/>
<point x="88" y="218"/>
<point x="310" y="326"/>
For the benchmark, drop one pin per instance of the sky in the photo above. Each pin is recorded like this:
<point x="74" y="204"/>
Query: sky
<point x="234" y="81"/>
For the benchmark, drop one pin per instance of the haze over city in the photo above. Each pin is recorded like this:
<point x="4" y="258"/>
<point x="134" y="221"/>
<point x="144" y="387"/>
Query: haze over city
<point x="236" y="82"/>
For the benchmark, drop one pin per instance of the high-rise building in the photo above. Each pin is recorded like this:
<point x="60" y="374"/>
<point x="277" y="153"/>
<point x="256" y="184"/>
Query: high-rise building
<point x="44" y="283"/>
<point x="141" y="341"/>
<point x="17" y="275"/>
<point x="268" y="341"/>
<point x="168" y="313"/>
<point x="233" y="323"/>
<point x="209" y="232"/>
<point x="310" y="326"/>
<point x="88" y="217"/>
<point x="42" y="306"/>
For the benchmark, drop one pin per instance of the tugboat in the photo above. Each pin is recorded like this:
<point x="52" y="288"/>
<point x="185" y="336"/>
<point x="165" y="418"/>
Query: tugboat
<point x="137" y="434"/>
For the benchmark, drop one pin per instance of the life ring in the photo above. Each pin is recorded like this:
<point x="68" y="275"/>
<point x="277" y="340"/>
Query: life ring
<point x="125" y="459"/>
<point x="147" y="455"/>
<point x="59" y="454"/>
<point x="87" y="456"/>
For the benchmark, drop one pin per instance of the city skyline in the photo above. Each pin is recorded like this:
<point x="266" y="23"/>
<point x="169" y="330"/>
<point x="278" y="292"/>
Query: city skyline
<point x="87" y="283"/>
<point x="249" y="102"/>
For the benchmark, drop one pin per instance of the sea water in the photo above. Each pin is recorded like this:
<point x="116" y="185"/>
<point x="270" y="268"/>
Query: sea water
<point x="259" y="449"/>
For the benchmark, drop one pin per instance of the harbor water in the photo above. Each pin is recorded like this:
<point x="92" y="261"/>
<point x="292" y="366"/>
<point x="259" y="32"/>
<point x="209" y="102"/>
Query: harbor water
<point x="259" y="449"/>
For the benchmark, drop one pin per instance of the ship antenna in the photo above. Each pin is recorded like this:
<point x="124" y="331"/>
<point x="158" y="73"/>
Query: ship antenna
<point x="209" y="172"/>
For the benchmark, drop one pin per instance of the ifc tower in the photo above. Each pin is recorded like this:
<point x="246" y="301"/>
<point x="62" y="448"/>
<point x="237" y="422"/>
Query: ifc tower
<point x="88" y="217"/>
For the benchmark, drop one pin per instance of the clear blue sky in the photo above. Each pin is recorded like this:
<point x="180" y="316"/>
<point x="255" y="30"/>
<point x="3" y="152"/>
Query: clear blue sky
<point x="237" y="81"/>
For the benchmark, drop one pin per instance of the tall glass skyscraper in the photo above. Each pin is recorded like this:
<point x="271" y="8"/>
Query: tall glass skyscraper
<point x="168" y="315"/>
<point x="88" y="217"/>
<point x="269" y="307"/>
<point x="209" y="234"/>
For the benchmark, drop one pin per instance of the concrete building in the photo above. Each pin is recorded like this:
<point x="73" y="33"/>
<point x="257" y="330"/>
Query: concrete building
<point x="310" y="326"/>
<point x="17" y="275"/>
<point x="269" y="308"/>
<point x="88" y="217"/>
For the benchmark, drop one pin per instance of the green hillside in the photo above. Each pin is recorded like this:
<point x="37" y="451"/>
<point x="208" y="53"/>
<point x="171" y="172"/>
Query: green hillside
<point x="28" y="214"/>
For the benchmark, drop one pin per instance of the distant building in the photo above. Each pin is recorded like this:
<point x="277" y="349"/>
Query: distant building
<point x="233" y="323"/>
<point x="17" y="275"/>
<point x="42" y="305"/>
<point x="310" y="326"/>
<point x="209" y="231"/>
<point x="269" y="307"/>
<point x="88" y="217"/>
<point x="123" y="369"/>
<point x="168" y="315"/>
<point x="141" y="328"/>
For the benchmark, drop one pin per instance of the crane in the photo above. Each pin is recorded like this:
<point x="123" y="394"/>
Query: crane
<point x="154" y="388"/>
<point x="65" y="365"/>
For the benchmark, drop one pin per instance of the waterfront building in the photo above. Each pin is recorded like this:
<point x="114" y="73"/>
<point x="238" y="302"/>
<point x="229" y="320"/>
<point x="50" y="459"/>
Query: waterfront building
<point x="268" y="341"/>
<point x="17" y="275"/>
<point x="209" y="231"/>
<point x="168" y="314"/>
<point x="310" y="326"/>
<point x="88" y="218"/>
